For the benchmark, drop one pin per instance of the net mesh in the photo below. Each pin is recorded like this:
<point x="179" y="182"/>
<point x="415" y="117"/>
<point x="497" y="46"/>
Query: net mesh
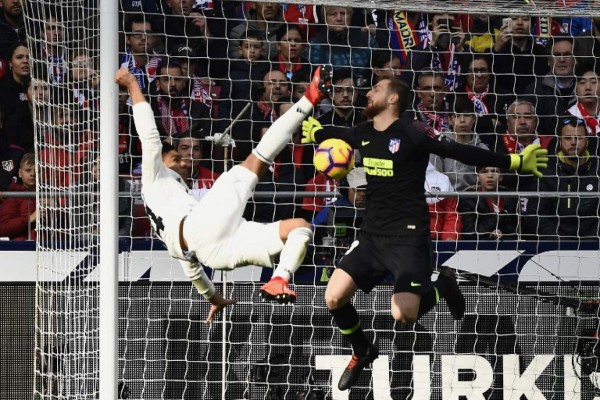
<point x="186" y="60"/>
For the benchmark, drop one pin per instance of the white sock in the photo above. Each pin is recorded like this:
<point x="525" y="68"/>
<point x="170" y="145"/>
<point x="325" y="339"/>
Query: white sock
<point x="280" y="133"/>
<point x="293" y="252"/>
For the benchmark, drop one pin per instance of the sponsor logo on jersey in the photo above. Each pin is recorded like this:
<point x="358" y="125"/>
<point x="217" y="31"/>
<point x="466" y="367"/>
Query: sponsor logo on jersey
<point x="365" y="142"/>
<point x="378" y="166"/>
<point x="394" y="145"/>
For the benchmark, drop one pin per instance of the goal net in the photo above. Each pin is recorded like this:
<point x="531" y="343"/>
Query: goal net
<point x="211" y="67"/>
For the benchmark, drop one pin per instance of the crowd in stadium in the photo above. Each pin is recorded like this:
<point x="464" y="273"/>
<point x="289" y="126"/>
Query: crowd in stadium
<point x="488" y="81"/>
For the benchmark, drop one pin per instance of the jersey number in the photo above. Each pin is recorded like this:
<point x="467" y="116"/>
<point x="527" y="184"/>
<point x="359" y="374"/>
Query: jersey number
<point x="157" y="222"/>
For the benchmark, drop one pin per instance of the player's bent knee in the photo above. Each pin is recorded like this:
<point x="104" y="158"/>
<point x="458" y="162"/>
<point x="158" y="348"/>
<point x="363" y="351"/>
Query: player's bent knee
<point x="403" y="316"/>
<point x="334" y="301"/>
<point x="289" y="225"/>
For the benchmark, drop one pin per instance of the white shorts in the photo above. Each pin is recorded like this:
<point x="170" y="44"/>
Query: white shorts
<point x="217" y="234"/>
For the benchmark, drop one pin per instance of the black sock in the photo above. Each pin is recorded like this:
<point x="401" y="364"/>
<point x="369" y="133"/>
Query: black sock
<point x="442" y="284"/>
<point x="348" y="321"/>
<point x="428" y="301"/>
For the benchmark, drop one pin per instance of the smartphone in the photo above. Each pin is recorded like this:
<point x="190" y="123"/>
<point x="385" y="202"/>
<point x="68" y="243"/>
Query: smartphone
<point x="508" y="23"/>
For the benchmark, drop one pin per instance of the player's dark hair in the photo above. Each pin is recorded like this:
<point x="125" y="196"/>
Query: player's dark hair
<point x="404" y="93"/>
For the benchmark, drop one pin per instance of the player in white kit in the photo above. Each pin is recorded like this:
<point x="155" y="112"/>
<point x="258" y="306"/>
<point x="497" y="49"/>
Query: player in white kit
<point x="212" y="231"/>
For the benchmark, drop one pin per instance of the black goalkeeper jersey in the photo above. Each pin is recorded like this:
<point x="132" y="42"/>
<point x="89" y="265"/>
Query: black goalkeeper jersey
<point x="395" y="161"/>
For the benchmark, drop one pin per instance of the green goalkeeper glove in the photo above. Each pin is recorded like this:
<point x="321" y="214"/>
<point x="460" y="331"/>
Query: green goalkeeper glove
<point x="530" y="159"/>
<point x="309" y="128"/>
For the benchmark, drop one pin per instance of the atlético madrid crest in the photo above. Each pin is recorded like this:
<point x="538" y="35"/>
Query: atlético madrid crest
<point x="8" y="165"/>
<point x="394" y="145"/>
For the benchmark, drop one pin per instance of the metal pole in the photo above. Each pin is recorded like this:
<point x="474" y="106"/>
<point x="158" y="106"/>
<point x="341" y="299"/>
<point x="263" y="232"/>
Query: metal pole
<point x="109" y="210"/>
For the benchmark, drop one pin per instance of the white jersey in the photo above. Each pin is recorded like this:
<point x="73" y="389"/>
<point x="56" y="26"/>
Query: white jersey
<point x="165" y="194"/>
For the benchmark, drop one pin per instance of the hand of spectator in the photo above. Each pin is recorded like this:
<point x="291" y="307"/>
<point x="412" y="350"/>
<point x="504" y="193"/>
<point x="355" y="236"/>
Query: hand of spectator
<point x="309" y="128"/>
<point x="218" y="303"/>
<point x="437" y="30"/>
<point x="198" y="20"/>
<point x="530" y="159"/>
<point x="33" y="217"/>
<point x="502" y="38"/>
<point x="371" y="29"/>
<point x="458" y="38"/>
<point x="496" y="234"/>
<point x="94" y="79"/>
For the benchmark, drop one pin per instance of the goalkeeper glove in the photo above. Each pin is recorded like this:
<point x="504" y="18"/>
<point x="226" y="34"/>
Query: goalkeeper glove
<point x="530" y="159"/>
<point x="309" y="128"/>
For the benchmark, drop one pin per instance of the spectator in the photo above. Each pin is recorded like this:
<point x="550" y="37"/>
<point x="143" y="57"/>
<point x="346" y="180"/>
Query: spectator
<point x="551" y="94"/>
<point x="207" y="39"/>
<point x="12" y="27"/>
<point x="489" y="217"/>
<point x="191" y="149"/>
<point x="517" y="58"/>
<point x="179" y="26"/>
<point x="62" y="154"/>
<point x="462" y="120"/>
<point x="174" y="110"/>
<point x="338" y="219"/>
<point x="85" y="81"/>
<point x="521" y="128"/>
<point x="9" y="159"/>
<point x="587" y="92"/>
<point x="431" y="107"/>
<point x="274" y="88"/>
<point x="385" y="65"/>
<point x="264" y="18"/>
<point x="570" y="217"/>
<point x="441" y="50"/>
<point x="301" y="15"/>
<point x="406" y="32"/>
<point x="18" y="215"/>
<point x="488" y="98"/>
<point x="17" y="121"/>
<point x="137" y="58"/>
<point x="200" y="87"/>
<point x="587" y="45"/>
<point x="343" y="98"/>
<point x="247" y="71"/>
<point x="53" y="53"/>
<point x="481" y="29"/>
<point x="445" y="221"/>
<point x="290" y="46"/>
<point x="341" y="45"/>
<point x="300" y="82"/>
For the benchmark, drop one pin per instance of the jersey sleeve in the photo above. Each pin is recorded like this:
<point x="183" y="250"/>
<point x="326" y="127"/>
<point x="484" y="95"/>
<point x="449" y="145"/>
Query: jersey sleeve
<point x="434" y="142"/>
<point x="145" y="125"/>
<point x="333" y="132"/>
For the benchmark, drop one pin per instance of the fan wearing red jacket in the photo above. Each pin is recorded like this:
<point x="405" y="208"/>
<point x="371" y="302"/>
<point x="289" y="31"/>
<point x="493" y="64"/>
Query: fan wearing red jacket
<point x="445" y="221"/>
<point x="18" y="215"/>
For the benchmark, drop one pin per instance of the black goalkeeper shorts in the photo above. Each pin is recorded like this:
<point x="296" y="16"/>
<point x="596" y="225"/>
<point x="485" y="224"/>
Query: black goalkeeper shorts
<point x="372" y="257"/>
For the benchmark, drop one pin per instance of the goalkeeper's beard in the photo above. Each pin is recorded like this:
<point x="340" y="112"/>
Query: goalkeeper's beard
<point x="373" y="110"/>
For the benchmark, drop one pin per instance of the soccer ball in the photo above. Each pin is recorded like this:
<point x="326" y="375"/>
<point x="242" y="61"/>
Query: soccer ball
<point x="334" y="158"/>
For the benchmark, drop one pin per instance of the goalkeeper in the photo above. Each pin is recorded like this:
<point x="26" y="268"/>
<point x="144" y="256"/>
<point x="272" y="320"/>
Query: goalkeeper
<point x="394" y="234"/>
<point x="212" y="231"/>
